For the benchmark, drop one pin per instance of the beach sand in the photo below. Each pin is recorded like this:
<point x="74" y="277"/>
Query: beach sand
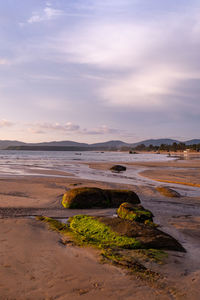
<point x="34" y="264"/>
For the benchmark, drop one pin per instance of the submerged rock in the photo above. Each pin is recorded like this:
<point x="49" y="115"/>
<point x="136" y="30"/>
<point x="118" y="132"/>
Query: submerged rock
<point x="166" y="191"/>
<point x="118" y="168"/>
<point x="88" y="197"/>
<point x="132" y="212"/>
<point x="132" y="152"/>
<point x="148" y="236"/>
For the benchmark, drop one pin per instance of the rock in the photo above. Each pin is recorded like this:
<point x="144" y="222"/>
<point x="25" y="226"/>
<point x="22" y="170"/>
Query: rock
<point x="150" y="237"/>
<point x="85" y="198"/>
<point x="88" y="197"/>
<point x="132" y="212"/>
<point x="117" y="168"/>
<point x="92" y="231"/>
<point x="117" y="197"/>
<point x="166" y="191"/>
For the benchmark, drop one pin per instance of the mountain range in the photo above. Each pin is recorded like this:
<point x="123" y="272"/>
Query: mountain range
<point x="71" y="145"/>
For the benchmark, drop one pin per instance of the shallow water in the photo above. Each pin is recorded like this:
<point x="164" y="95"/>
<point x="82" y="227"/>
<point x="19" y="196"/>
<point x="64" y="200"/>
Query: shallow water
<point x="21" y="162"/>
<point x="40" y="162"/>
<point x="34" y="163"/>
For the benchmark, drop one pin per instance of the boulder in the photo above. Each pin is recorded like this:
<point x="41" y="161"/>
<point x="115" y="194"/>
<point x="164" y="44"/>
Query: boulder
<point x="148" y="236"/>
<point x="85" y="197"/>
<point x="117" y="197"/>
<point x="166" y="191"/>
<point x="89" y="197"/>
<point x="118" y="168"/>
<point x="132" y="212"/>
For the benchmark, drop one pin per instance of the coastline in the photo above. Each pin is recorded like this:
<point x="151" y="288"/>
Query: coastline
<point x="36" y="265"/>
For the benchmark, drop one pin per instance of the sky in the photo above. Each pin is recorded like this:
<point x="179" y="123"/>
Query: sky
<point x="97" y="70"/>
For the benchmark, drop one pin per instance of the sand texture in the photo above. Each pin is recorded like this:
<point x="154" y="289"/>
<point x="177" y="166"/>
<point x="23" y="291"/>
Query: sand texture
<point x="34" y="264"/>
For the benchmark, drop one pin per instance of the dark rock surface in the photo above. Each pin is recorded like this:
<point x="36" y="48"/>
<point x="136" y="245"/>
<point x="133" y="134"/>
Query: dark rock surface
<point x="132" y="212"/>
<point x="118" y="168"/>
<point x="149" y="236"/>
<point x="88" y="197"/>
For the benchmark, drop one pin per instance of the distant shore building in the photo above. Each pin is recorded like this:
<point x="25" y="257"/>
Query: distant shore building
<point x="188" y="151"/>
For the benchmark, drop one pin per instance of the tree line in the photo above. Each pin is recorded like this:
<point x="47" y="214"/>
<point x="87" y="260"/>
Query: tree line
<point x="165" y="147"/>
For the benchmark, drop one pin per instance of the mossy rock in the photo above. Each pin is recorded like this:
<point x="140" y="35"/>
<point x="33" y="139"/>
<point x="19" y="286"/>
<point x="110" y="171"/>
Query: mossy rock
<point x="166" y="191"/>
<point x="105" y="232"/>
<point x="132" y="212"/>
<point x="89" y="197"/>
<point x="149" y="237"/>
<point x="118" y="168"/>
<point x="85" y="197"/>
<point x="90" y="230"/>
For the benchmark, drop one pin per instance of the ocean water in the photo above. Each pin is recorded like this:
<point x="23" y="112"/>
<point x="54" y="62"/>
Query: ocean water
<point x="47" y="163"/>
<point x="39" y="162"/>
<point x="60" y="160"/>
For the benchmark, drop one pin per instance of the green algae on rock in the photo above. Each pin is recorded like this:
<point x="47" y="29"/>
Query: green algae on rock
<point x="55" y="225"/>
<point x="89" y="197"/>
<point x="132" y="212"/>
<point x="168" y="192"/>
<point x="127" y="244"/>
<point x="93" y="232"/>
<point x="113" y="233"/>
<point x="86" y="230"/>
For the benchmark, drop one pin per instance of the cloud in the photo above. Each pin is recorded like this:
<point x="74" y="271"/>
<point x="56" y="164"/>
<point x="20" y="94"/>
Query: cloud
<point x="105" y="45"/>
<point x="69" y="127"/>
<point x="148" y="89"/>
<point x="43" y="127"/>
<point x="47" y="14"/>
<point x="136" y="65"/>
<point x="4" y="61"/>
<point x="6" y="123"/>
<point x="145" y="63"/>
<point x="96" y="6"/>
<point x="36" y="131"/>
<point x="104" y="129"/>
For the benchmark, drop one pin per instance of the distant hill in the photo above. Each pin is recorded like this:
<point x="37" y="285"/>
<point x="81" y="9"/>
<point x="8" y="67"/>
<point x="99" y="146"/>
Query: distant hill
<point x="60" y="144"/>
<point x="69" y="146"/>
<point x="49" y="148"/>
<point x="5" y="144"/>
<point x="156" y="142"/>
<point x="192" y="142"/>
<point x="110" y="144"/>
<point x="75" y="146"/>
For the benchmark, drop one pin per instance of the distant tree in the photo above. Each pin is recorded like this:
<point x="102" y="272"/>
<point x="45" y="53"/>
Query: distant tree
<point x="151" y="148"/>
<point x="174" y="147"/>
<point x="140" y="147"/>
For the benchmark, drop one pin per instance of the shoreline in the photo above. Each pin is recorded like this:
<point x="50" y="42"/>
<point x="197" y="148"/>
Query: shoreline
<point x="56" y="271"/>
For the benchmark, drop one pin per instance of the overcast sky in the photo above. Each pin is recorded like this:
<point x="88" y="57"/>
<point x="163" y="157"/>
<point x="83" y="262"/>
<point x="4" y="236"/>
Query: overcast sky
<point x="95" y="70"/>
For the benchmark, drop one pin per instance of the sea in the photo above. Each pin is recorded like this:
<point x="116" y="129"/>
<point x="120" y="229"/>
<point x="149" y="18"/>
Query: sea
<point x="75" y="164"/>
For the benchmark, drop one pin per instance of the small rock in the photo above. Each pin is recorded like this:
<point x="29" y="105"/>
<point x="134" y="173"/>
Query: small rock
<point x="118" y="168"/>
<point x="168" y="192"/>
<point x="132" y="212"/>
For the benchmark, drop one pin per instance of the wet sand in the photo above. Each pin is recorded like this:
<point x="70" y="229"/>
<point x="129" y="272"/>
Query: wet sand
<point x="35" y="265"/>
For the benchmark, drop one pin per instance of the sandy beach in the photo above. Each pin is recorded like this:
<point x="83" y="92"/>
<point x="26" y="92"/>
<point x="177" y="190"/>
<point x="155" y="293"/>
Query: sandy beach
<point x="34" y="264"/>
<point x="99" y="150"/>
